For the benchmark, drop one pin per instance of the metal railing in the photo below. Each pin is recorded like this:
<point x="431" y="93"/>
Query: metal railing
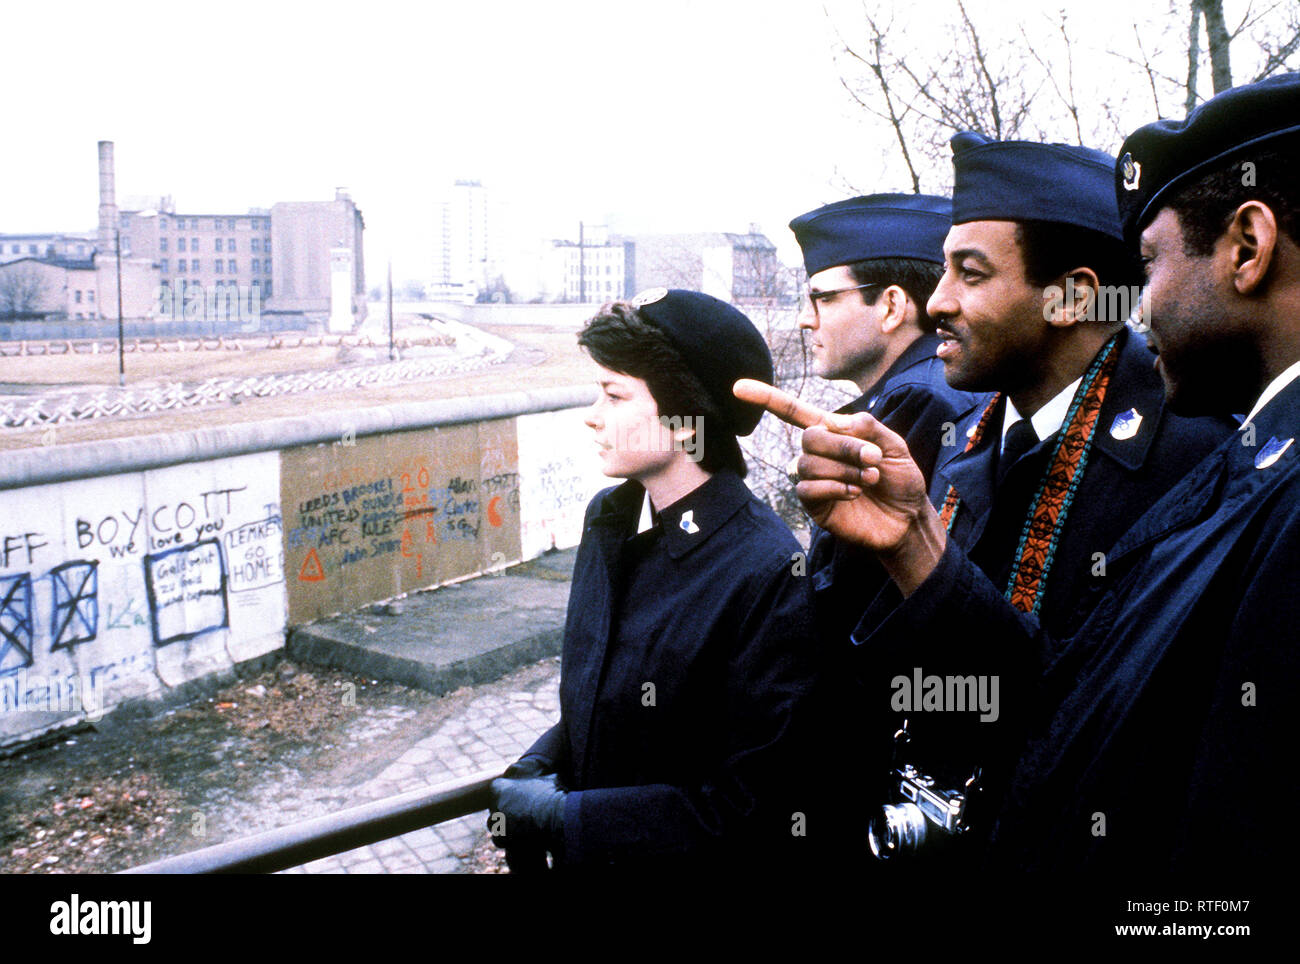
<point x="334" y="833"/>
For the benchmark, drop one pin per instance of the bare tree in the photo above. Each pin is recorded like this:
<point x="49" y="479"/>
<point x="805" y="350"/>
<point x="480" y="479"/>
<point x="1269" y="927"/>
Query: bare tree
<point x="22" y="291"/>
<point x="981" y="84"/>
<point x="1218" y="42"/>
<point x="1276" y="37"/>
<point x="922" y="81"/>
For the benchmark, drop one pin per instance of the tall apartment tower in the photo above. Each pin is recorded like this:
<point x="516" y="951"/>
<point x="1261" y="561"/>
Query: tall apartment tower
<point x="464" y="256"/>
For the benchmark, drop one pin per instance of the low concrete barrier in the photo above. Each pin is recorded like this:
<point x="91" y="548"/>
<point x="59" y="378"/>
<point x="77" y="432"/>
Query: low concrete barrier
<point x="132" y="566"/>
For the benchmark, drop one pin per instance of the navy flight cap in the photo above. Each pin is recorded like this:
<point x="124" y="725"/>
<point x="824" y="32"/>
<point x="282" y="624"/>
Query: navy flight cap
<point x="875" y="226"/>
<point x="718" y="344"/>
<point x="1024" y="181"/>
<point x="1160" y="159"/>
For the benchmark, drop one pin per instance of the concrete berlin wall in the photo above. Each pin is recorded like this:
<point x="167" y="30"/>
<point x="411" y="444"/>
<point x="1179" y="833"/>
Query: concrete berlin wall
<point x="135" y="566"/>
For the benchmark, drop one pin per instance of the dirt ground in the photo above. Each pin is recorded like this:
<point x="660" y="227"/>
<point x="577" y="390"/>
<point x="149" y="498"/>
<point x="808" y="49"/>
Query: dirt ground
<point x="544" y="357"/>
<point x="262" y="752"/>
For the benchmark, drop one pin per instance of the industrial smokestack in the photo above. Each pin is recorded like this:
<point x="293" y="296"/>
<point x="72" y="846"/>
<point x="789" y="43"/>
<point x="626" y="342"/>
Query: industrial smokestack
<point x="107" y="198"/>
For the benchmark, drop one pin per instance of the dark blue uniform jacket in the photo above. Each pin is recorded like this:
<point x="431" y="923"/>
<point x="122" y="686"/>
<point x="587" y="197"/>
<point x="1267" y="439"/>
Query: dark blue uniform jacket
<point x="1124" y="477"/>
<point x="1126" y="473"/>
<point x="913" y="399"/>
<point x="685" y="664"/>
<point x="1160" y="741"/>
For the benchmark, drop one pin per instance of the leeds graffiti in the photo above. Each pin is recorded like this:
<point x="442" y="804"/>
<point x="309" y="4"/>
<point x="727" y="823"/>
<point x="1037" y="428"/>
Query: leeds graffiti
<point x="399" y="515"/>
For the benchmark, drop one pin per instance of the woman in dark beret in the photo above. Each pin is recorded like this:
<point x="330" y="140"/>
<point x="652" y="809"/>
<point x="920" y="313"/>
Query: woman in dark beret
<point x="687" y="648"/>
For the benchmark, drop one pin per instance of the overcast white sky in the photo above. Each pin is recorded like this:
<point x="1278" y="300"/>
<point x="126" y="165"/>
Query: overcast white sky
<point x="657" y="116"/>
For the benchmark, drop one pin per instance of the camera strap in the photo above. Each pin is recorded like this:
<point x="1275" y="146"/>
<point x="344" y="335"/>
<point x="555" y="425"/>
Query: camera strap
<point x="1041" y="533"/>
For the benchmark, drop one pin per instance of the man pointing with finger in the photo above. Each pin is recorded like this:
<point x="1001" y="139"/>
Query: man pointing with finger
<point x="1157" y="711"/>
<point x="1076" y="443"/>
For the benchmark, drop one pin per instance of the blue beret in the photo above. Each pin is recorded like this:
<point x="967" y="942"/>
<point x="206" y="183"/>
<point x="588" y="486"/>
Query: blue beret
<point x="875" y="226"/>
<point x="1023" y="181"/>
<point x="1158" y="160"/>
<point x="718" y="344"/>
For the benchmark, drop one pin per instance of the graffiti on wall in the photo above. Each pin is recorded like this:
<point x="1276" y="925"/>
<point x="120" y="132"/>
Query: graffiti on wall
<point x="119" y="586"/>
<point x="559" y="472"/>
<point x="123" y="584"/>
<point x="392" y="513"/>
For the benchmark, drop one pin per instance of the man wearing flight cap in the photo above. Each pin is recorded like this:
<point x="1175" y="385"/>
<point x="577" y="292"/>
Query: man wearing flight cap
<point x="1076" y="443"/>
<point x="1156" y="738"/>
<point x="872" y="264"/>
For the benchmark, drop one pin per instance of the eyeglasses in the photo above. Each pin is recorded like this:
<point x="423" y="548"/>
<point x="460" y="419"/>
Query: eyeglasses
<point x="815" y="296"/>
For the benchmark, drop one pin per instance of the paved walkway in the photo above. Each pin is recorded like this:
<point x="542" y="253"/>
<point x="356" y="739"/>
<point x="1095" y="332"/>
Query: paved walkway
<point x="489" y="735"/>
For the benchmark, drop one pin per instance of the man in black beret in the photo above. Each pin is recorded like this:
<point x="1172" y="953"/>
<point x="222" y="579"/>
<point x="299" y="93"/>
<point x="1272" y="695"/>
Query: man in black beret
<point x="1156" y="737"/>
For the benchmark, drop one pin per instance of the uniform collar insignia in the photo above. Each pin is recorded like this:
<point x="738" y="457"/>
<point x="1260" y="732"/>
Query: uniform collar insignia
<point x="1126" y="424"/>
<point x="1271" y="452"/>
<point x="688" y="522"/>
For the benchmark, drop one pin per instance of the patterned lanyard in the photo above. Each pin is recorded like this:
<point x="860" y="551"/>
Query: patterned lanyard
<point x="1041" y="533"/>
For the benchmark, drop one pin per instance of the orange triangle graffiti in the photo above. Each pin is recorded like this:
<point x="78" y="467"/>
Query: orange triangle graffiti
<point x="312" y="570"/>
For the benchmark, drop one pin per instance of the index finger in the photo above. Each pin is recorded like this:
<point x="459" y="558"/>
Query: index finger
<point x="782" y="404"/>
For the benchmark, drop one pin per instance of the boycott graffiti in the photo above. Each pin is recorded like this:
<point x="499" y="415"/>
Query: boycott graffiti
<point x="127" y="583"/>
<point x="168" y="524"/>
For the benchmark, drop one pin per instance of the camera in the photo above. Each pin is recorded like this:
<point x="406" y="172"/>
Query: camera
<point x="902" y="828"/>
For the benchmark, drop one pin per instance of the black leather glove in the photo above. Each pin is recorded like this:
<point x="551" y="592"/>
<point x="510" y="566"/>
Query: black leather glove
<point x="529" y="766"/>
<point x="523" y="856"/>
<point x="533" y="812"/>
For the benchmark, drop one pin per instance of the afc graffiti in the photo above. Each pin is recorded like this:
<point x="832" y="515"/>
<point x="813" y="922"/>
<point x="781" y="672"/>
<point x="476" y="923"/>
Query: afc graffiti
<point x="167" y="525"/>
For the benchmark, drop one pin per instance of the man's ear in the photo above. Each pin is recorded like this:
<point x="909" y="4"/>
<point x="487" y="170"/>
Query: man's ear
<point x="1251" y="240"/>
<point x="897" y="306"/>
<point x="1077" y="301"/>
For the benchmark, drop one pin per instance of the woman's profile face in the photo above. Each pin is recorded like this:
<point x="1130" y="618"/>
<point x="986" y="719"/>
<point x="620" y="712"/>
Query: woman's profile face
<point x="632" y="441"/>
